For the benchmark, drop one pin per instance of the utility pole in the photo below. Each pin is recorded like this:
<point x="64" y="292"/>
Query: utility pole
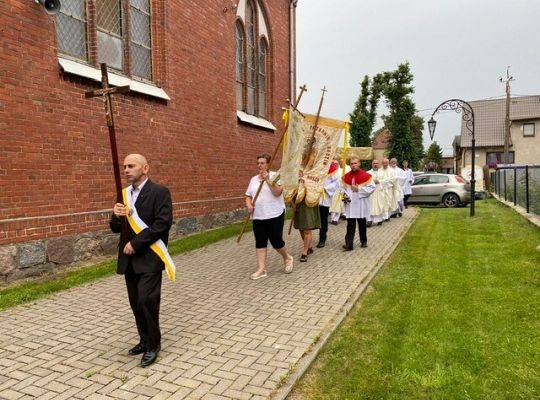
<point x="506" y="157"/>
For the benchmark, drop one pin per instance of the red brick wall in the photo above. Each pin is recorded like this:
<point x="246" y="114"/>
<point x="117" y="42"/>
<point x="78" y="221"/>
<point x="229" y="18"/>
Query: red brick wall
<point x="55" y="168"/>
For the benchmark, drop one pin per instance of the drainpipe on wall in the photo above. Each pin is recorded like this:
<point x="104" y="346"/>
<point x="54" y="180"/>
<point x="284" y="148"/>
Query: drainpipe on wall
<point x="292" y="49"/>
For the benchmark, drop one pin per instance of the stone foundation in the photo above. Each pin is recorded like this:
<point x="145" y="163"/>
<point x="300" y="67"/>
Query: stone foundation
<point x="28" y="259"/>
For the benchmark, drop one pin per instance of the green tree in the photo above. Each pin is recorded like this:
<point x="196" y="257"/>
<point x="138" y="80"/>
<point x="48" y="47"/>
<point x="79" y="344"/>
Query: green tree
<point x="417" y="128"/>
<point x="402" y="121"/>
<point x="364" y="114"/>
<point x="360" y="132"/>
<point x="434" y="155"/>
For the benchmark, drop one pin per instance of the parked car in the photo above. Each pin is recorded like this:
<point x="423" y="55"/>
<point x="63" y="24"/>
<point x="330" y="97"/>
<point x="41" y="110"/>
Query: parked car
<point x="450" y="190"/>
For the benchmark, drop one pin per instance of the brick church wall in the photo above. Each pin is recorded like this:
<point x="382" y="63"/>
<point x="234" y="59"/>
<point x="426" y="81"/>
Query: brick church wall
<point x="56" y="179"/>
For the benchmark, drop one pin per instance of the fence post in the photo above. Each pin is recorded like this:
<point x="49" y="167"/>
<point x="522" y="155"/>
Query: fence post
<point x="515" y="186"/>
<point x="527" y="187"/>
<point x="498" y="183"/>
<point x="505" y="185"/>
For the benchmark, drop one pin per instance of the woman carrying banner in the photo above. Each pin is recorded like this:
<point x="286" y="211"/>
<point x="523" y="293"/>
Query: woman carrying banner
<point x="268" y="215"/>
<point x="306" y="219"/>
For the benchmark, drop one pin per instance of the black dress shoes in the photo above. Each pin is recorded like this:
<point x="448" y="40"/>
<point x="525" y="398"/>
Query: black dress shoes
<point x="149" y="357"/>
<point x="320" y="245"/>
<point x="138" y="349"/>
<point x="363" y="244"/>
<point x="346" y="248"/>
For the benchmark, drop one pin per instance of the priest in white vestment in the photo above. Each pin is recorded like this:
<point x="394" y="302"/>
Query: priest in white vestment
<point x="407" y="187"/>
<point x="358" y="187"/>
<point x="387" y="180"/>
<point x="330" y="186"/>
<point x="401" y="178"/>
<point x="336" y="208"/>
<point x="379" y="199"/>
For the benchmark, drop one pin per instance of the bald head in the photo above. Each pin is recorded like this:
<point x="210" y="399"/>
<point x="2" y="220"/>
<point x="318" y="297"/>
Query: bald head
<point x="136" y="169"/>
<point x="138" y="158"/>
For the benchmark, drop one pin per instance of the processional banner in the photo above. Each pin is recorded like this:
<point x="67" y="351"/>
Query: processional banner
<point x="309" y="150"/>
<point x="295" y="145"/>
<point x="363" y="153"/>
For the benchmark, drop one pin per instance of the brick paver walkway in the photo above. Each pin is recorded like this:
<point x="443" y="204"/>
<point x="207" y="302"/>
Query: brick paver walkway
<point x="224" y="336"/>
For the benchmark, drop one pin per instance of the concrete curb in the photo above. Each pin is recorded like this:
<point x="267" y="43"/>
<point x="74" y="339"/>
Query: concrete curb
<point x="298" y="370"/>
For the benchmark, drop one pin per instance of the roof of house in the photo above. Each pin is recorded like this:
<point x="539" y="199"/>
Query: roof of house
<point x="489" y="117"/>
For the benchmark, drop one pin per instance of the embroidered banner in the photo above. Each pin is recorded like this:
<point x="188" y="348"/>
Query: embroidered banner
<point x="294" y="145"/>
<point x="317" y="162"/>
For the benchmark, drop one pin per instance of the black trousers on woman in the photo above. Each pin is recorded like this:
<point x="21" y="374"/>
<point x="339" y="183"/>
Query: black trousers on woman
<point x="351" y="230"/>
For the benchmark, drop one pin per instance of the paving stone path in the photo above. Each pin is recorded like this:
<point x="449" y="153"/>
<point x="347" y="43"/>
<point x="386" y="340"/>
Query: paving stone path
<point x="224" y="336"/>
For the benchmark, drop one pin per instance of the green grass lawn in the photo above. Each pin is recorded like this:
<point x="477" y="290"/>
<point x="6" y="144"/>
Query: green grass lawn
<point x="453" y="314"/>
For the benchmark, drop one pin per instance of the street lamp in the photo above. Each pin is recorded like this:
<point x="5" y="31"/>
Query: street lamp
<point x="467" y="115"/>
<point x="431" y="125"/>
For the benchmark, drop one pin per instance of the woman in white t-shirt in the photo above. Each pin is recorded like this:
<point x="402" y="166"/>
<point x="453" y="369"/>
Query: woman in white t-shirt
<point x="268" y="215"/>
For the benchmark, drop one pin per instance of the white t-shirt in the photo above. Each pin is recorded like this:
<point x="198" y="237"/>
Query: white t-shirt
<point x="267" y="205"/>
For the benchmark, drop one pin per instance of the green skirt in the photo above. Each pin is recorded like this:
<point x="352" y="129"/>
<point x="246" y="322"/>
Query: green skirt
<point x="307" y="218"/>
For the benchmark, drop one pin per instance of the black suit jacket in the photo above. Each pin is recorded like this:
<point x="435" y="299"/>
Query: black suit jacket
<point x="154" y="206"/>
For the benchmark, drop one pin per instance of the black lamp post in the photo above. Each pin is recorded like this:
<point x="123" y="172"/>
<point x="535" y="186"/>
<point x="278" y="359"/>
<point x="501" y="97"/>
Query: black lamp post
<point x="467" y="115"/>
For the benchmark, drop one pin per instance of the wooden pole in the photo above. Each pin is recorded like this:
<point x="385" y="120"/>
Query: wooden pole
<point x="310" y="148"/>
<point x="105" y="92"/>
<point x="274" y="155"/>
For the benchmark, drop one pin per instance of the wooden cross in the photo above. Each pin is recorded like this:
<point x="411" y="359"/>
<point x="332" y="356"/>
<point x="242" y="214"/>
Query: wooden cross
<point x="105" y="92"/>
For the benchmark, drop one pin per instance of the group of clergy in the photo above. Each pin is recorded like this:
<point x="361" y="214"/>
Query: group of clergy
<point x="365" y="198"/>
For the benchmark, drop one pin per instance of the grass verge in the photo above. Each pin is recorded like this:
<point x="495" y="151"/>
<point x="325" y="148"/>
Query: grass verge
<point x="453" y="314"/>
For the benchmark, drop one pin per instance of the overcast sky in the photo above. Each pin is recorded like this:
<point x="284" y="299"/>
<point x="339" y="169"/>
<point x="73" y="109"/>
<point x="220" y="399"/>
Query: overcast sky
<point x="456" y="48"/>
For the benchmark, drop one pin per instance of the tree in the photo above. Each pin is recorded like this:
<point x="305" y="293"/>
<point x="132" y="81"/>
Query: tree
<point x="402" y="121"/>
<point x="434" y="156"/>
<point x="365" y="112"/>
<point x="417" y="129"/>
<point x="360" y="131"/>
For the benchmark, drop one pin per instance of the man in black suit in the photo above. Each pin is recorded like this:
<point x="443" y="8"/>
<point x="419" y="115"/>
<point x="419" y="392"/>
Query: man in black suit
<point x="139" y="264"/>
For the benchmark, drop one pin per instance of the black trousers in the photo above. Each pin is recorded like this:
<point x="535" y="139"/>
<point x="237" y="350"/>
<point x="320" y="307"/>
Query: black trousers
<point x="144" y="292"/>
<point x="406" y="199"/>
<point x="269" y="229"/>
<point x="323" y="211"/>
<point x="351" y="228"/>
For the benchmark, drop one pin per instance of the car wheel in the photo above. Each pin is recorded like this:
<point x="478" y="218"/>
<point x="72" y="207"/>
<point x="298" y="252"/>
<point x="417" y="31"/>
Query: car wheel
<point x="451" y="200"/>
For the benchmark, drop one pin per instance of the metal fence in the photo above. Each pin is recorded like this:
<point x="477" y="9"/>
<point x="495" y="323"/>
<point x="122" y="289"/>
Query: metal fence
<point x="519" y="184"/>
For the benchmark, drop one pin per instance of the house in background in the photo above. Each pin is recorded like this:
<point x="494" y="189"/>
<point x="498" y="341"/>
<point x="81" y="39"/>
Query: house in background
<point x="447" y="165"/>
<point x="489" y="118"/>
<point x="381" y="138"/>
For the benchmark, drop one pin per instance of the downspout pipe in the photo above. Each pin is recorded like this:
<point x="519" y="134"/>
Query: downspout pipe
<point x="292" y="49"/>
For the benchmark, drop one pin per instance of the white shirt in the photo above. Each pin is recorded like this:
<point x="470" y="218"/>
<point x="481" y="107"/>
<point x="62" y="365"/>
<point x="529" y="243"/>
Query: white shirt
<point x="267" y="205"/>
<point x="135" y="191"/>
<point x="331" y="184"/>
<point x="359" y="206"/>
<point x="407" y="189"/>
